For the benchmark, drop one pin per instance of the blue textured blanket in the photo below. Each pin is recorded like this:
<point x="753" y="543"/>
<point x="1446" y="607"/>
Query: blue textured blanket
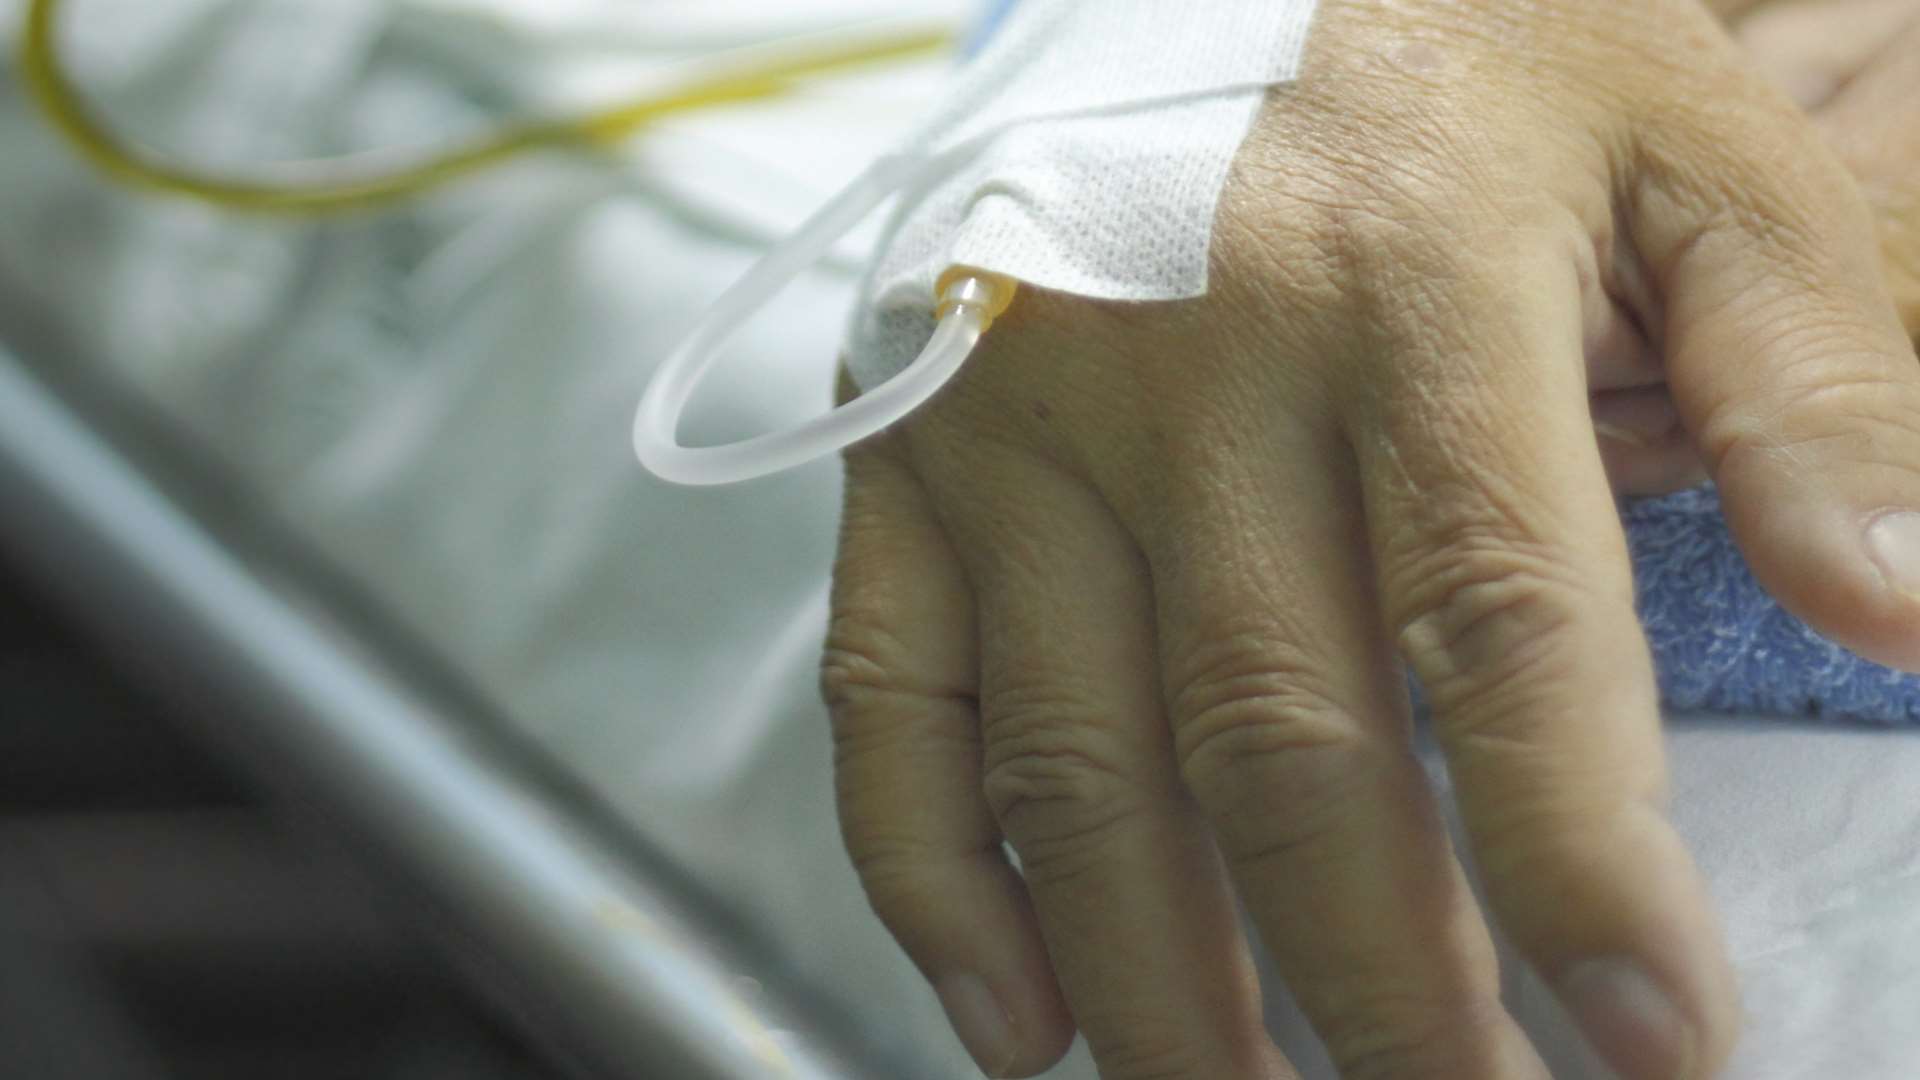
<point x="1722" y="645"/>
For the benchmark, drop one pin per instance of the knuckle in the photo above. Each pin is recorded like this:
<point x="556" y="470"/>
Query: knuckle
<point x="1736" y="156"/>
<point x="1057" y="789"/>
<point x="1270" y="751"/>
<point x="1415" y="191"/>
<point x="857" y="691"/>
<point x="1716" y="219"/>
<point x="1357" y="211"/>
<point x="878" y="712"/>
<point x="1255" y="720"/>
<point x="1483" y="618"/>
<point x="1389" y="228"/>
<point x="861" y="659"/>
<point x="867" y="674"/>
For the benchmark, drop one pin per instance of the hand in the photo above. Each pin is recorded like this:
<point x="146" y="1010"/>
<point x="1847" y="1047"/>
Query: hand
<point x="1133" y="595"/>
<point x="1855" y="64"/>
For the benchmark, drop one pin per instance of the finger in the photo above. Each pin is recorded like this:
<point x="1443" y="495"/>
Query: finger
<point x="899" y="675"/>
<point x="1503" y="572"/>
<point x="1131" y="896"/>
<point x="1290" y="726"/>
<point x="1645" y="449"/>
<point x="1813" y="48"/>
<point x="1788" y="362"/>
<point x="1874" y="125"/>
<point x="1642" y="443"/>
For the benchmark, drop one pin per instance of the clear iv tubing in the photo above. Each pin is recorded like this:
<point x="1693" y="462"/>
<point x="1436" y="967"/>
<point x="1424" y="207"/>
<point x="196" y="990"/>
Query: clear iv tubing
<point x="969" y="302"/>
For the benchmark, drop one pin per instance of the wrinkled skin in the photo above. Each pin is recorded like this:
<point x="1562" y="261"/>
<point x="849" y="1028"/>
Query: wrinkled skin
<point x="1132" y="598"/>
<point x="1855" y="65"/>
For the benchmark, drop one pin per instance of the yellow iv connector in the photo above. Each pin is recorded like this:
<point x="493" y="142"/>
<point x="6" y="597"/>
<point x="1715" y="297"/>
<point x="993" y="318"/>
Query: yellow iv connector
<point x="771" y="75"/>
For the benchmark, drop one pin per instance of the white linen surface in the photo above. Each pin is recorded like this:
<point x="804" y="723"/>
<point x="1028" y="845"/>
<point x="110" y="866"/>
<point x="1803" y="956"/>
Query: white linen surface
<point x="439" y="398"/>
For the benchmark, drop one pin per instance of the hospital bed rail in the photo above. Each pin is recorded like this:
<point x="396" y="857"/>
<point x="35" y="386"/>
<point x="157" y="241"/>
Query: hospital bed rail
<point x="603" y="950"/>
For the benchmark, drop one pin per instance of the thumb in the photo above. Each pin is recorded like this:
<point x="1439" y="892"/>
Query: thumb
<point x="1873" y="122"/>
<point x="1788" y="363"/>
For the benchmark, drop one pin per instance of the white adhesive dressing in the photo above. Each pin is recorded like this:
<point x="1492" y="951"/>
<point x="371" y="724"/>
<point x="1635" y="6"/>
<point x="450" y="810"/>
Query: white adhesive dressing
<point x="1087" y="147"/>
<point x="1083" y="151"/>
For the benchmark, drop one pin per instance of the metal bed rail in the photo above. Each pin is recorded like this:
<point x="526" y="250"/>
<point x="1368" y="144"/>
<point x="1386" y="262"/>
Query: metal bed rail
<point x="600" y="946"/>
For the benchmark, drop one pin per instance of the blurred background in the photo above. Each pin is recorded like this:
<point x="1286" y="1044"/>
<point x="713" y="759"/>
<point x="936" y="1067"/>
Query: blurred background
<point x="365" y="711"/>
<point x="159" y="918"/>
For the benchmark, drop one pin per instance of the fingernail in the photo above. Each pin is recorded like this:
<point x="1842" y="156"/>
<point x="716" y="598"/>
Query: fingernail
<point x="1621" y="435"/>
<point x="1640" y="418"/>
<point x="1894" y="542"/>
<point x="984" y="1026"/>
<point x="1630" y="1020"/>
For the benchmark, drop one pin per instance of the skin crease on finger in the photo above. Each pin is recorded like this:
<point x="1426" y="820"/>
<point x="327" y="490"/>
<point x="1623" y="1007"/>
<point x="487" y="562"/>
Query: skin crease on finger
<point x="1435" y="155"/>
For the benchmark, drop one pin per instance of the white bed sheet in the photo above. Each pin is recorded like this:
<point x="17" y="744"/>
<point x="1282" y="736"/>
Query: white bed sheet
<point x="439" y="397"/>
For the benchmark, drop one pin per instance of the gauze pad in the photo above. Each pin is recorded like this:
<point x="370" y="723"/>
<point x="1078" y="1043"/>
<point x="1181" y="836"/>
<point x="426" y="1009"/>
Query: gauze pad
<point x="1084" y="151"/>
<point x="1089" y="143"/>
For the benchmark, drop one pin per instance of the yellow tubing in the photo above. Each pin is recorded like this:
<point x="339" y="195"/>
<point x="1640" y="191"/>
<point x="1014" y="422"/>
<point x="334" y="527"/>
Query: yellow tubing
<point x="70" y="115"/>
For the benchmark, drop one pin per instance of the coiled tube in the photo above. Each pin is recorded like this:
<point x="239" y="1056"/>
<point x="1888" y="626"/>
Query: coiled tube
<point x="969" y="301"/>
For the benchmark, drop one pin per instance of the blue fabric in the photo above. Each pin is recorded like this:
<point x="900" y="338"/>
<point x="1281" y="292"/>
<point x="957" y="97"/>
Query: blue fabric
<point x="1722" y="645"/>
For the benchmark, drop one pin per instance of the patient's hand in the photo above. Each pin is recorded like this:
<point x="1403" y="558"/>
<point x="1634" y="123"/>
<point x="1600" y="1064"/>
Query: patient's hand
<point x="1133" y="595"/>
<point x="1855" y="66"/>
